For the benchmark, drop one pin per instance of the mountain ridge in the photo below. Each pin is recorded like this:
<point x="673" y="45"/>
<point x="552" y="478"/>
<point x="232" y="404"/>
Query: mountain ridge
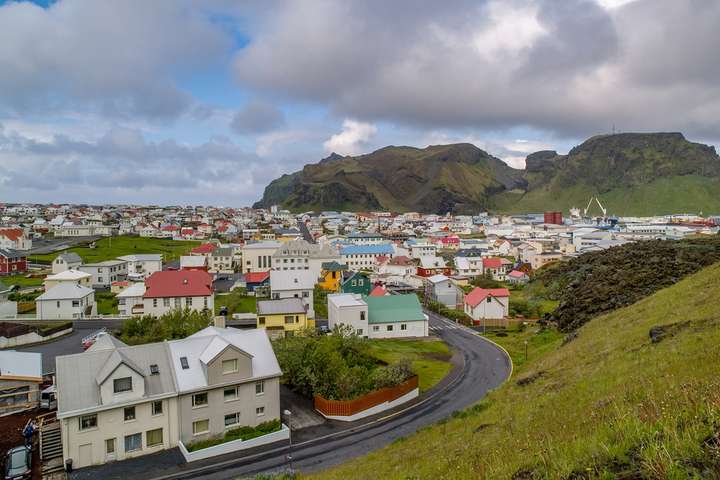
<point x="462" y="178"/>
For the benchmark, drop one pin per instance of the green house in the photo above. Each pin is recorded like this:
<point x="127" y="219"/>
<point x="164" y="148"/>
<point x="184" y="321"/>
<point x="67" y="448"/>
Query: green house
<point x="356" y="282"/>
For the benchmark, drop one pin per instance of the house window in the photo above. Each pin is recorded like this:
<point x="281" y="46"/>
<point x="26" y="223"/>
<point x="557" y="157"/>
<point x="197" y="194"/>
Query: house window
<point x="200" y="427"/>
<point x="232" y="419"/>
<point x="230" y="366"/>
<point x="154" y="370"/>
<point x="154" y="437"/>
<point x="289" y="319"/>
<point x="155" y="303"/>
<point x="353" y="283"/>
<point x="376" y="328"/>
<point x="200" y="400"/>
<point x="122" y="384"/>
<point x="260" y="411"/>
<point x="184" y="363"/>
<point x="403" y="326"/>
<point x="362" y="315"/>
<point x="133" y="442"/>
<point x="166" y="302"/>
<point x="110" y="446"/>
<point x="489" y="300"/>
<point x="100" y="280"/>
<point x="87" y="422"/>
<point x="177" y="302"/>
<point x="230" y="394"/>
<point x="58" y="304"/>
<point x="389" y="328"/>
<point x="259" y="387"/>
<point x="261" y="320"/>
<point x="129" y="413"/>
<point x="157" y="407"/>
<point x="76" y="303"/>
<point x="188" y="301"/>
<point x="205" y="302"/>
<point x="359" y="331"/>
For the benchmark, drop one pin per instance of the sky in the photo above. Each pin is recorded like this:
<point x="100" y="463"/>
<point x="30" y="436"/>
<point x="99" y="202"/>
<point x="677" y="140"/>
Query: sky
<point x="204" y="102"/>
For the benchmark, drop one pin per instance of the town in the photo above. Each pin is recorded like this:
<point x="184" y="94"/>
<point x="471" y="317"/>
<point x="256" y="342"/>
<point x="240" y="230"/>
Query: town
<point x="137" y="330"/>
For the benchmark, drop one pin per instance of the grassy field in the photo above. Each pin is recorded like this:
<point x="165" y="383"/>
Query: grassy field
<point x="430" y="358"/>
<point x="107" y="303"/>
<point x="236" y="302"/>
<point x="539" y="340"/>
<point x="611" y="403"/>
<point x="22" y="281"/>
<point x="110" y="248"/>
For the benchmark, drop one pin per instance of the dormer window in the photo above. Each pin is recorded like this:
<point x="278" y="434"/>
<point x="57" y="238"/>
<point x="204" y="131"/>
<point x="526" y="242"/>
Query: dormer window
<point x="121" y="385"/>
<point x="184" y="363"/>
<point x="154" y="370"/>
<point x="230" y="366"/>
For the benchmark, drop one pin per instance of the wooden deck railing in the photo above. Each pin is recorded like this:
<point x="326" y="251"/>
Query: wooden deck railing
<point x="346" y="408"/>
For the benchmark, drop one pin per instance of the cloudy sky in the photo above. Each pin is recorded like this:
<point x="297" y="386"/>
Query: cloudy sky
<point x="205" y="102"/>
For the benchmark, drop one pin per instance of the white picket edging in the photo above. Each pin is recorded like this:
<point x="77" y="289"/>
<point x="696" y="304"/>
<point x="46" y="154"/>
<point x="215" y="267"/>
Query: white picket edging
<point x="234" y="445"/>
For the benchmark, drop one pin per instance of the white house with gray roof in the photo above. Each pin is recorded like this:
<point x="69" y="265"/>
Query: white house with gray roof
<point x="117" y="401"/>
<point x="141" y="266"/>
<point x="66" y="301"/>
<point x="66" y="261"/>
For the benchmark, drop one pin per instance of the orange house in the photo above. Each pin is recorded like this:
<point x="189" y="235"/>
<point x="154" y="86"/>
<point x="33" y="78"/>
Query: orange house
<point x="331" y="276"/>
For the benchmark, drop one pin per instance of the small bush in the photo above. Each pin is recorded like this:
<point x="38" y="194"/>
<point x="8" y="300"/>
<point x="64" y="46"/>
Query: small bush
<point x="240" y="433"/>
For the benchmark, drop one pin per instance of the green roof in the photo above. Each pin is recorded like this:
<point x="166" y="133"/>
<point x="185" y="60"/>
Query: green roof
<point x="394" y="308"/>
<point x="333" y="266"/>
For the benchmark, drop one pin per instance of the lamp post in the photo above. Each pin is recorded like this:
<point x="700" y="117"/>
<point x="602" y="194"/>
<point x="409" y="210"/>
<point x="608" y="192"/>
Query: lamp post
<point x="288" y="414"/>
<point x="526" y="346"/>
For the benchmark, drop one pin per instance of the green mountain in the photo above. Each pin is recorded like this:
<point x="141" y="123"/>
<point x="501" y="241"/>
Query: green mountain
<point x="631" y="173"/>
<point x="633" y="396"/>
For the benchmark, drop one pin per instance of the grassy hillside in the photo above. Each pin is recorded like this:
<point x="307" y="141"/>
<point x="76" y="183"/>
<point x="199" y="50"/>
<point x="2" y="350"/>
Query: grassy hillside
<point x="110" y="248"/>
<point x="609" y="404"/>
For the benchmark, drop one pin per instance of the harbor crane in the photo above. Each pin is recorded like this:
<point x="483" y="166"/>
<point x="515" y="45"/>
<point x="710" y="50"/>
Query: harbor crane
<point x="604" y="211"/>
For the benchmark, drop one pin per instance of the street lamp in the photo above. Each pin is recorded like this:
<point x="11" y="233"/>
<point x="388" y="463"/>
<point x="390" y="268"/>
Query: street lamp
<point x="526" y="345"/>
<point x="288" y="414"/>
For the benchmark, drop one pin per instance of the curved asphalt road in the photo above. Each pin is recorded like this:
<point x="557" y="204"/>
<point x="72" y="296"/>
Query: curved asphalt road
<point x="486" y="367"/>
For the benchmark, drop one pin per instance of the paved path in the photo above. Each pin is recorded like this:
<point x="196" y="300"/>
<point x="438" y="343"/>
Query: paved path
<point x="486" y="367"/>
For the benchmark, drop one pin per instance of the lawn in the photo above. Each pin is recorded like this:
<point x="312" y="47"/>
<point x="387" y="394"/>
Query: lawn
<point x="539" y="342"/>
<point x="22" y="281"/>
<point x="236" y="302"/>
<point x="531" y="300"/>
<point x="113" y="247"/>
<point x="429" y="358"/>
<point x="107" y="303"/>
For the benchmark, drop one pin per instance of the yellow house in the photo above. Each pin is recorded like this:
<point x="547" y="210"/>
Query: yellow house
<point x="282" y="317"/>
<point x="331" y="276"/>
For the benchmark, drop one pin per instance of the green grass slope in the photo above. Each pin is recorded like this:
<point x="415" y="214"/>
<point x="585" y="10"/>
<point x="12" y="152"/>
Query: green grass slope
<point x="609" y="404"/>
<point x="677" y="194"/>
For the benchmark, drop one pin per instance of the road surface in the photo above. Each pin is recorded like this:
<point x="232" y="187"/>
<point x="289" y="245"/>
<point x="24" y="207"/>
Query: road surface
<point x="486" y="367"/>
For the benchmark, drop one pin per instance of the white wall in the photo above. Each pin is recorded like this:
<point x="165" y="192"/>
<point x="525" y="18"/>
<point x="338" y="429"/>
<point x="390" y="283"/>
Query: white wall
<point x="64" y="309"/>
<point x="413" y="329"/>
<point x="158" y="306"/>
<point x="349" y="315"/>
<point x="495" y="308"/>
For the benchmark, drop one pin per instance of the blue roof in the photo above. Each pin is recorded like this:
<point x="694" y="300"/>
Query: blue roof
<point x="381" y="249"/>
<point x="364" y="235"/>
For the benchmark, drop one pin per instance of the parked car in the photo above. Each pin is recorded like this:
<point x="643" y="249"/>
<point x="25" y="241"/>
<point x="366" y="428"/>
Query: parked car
<point x="18" y="463"/>
<point x="48" y="398"/>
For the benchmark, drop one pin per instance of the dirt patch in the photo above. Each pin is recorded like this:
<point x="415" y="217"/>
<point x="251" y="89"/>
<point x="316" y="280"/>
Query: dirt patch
<point x="522" y="382"/>
<point x="443" y="357"/>
<point x="659" y="333"/>
<point x="11" y="427"/>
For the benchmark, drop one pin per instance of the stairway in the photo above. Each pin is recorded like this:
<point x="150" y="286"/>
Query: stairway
<point x="51" y="448"/>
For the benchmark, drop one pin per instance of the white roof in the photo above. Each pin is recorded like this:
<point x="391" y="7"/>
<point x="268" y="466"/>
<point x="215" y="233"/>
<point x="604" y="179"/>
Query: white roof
<point x="258" y="245"/>
<point x="253" y="342"/>
<point x="432" y="262"/>
<point x="346" y="300"/>
<point x="143" y="257"/>
<point x="292" y="280"/>
<point x="65" y="291"/>
<point x="23" y="364"/>
<point x="134" y="290"/>
<point x="193" y="261"/>
<point x="69" y="275"/>
<point x="437" y="278"/>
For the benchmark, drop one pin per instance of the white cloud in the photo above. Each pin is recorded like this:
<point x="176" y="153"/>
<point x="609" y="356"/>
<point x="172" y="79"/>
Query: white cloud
<point x="511" y="29"/>
<point x="355" y="136"/>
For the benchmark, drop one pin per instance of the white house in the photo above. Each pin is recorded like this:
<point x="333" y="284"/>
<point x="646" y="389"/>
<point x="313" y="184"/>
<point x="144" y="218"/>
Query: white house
<point x="178" y="289"/>
<point x="141" y="266"/>
<point x="68" y="276"/>
<point x="364" y="257"/>
<point x="294" y="284"/>
<point x="483" y="303"/>
<point x="105" y="273"/>
<point x="66" y="261"/>
<point x="130" y="300"/>
<point x="389" y="316"/>
<point x="257" y="257"/>
<point x="442" y="290"/>
<point x="419" y="250"/>
<point x="15" y="239"/>
<point x="66" y="301"/>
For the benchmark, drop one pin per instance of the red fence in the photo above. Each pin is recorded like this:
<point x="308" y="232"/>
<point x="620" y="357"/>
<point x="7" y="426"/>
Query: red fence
<point x="346" y="408"/>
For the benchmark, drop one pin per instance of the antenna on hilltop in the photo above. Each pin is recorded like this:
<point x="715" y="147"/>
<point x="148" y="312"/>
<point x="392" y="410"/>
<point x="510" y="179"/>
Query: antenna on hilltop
<point x="613" y="129"/>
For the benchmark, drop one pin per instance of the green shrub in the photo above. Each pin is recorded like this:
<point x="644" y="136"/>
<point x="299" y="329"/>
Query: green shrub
<point x="240" y="433"/>
<point x="172" y="325"/>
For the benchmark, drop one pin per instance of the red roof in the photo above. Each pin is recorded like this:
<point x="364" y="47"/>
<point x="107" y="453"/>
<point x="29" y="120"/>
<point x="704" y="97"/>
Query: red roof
<point x="256" y="277"/>
<point x="517" y="274"/>
<point x="12" y="233"/>
<point x="170" y="228"/>
<point x="178" y="283"/>
<point x="479" y="294"/>
<point x="495" y="262"/>
<point x="204" y="248"/>
<point x="378" y="291"/>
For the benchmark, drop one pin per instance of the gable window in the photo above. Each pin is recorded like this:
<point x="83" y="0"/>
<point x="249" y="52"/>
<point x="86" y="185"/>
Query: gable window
<point x="230" y="394"/>
<point x="259" y="387"/>
<point x="154" y="437"/>
<point x="200" y="399"/>
<point x="184" y="363"/>
<point x="157" y="407"/>
<point x="230" y="366"/>
<point x="133" y="442"/>
<point x="154" y="370"/>
<point x="362" y="315"/>
<point x="200" y="426"/>
<point x="232" y="419"/>
<point x="122" y="384"/>
<point x="129" y="414"/>
<point x="489" y="300"/>
<point x="87" y="422"/>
